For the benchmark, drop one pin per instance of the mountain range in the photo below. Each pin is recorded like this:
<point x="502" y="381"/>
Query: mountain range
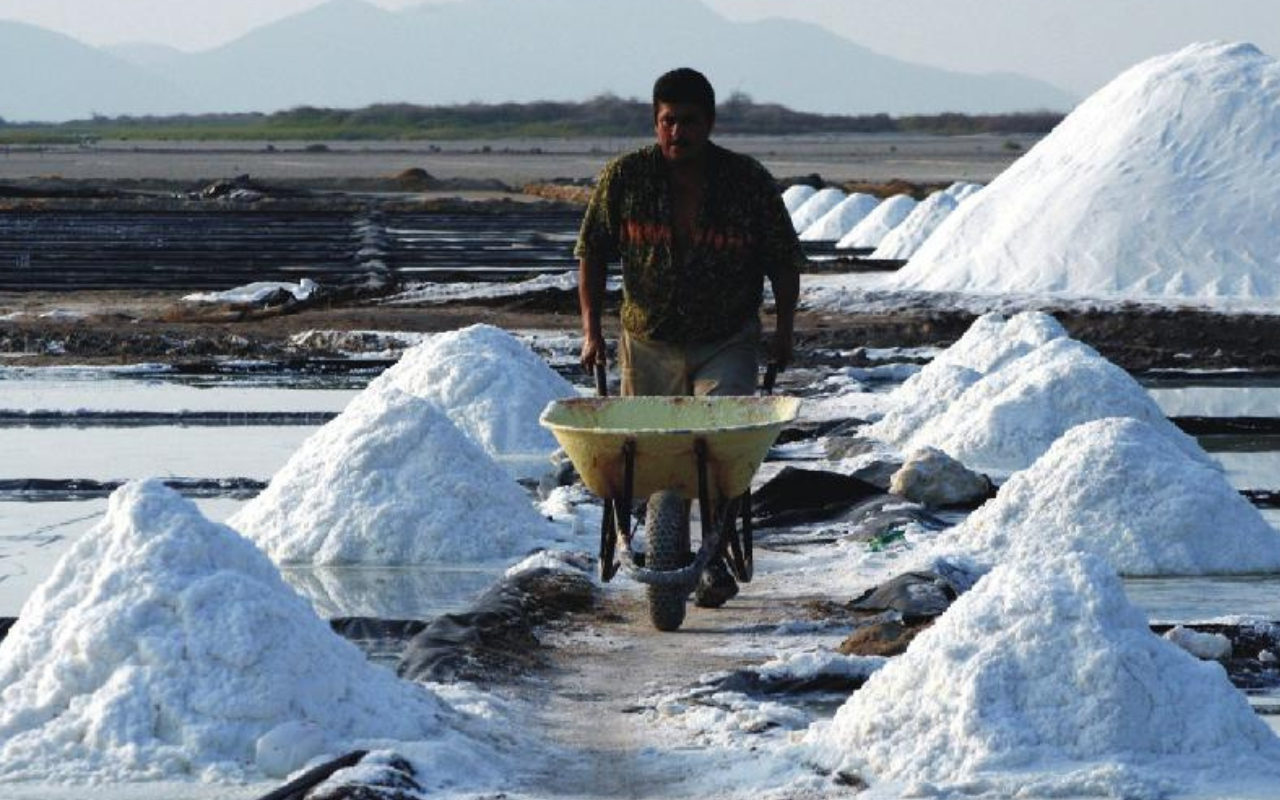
<point x="349" y="53"/>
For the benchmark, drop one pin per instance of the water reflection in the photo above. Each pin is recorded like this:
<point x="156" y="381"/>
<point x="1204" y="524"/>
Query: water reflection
<point x="122" y="453"/>
<point x="1260" y="470"/>
<point x="1201" y="599"/>
<point x="113" y="394"/>
<point x="390" y="592"/>
<point x="1218" y="401"/>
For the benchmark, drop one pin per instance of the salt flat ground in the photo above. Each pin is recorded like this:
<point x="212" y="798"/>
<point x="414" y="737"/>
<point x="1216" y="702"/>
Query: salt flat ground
<point x="846" y="157"/>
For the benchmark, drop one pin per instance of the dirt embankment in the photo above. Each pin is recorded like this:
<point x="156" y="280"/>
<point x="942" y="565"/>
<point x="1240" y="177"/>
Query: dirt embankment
<point x="39" y="328"/>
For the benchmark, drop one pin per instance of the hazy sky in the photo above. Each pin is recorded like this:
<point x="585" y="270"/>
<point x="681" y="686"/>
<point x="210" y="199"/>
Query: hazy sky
<point x="1076" y="44"/>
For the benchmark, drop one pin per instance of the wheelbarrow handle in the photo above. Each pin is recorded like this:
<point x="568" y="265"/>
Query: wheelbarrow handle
<point x="602" y="379"/>
<point x="770" y="378"/>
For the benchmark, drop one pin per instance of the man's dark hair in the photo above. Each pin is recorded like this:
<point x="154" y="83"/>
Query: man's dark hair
<point x="685" y="85"/>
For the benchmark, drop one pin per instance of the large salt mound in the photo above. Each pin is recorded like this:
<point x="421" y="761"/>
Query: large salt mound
<point x="1165" y="183"/>
<point x="1005" y="421"/>
<point x="924" y="219"/>
<point x="489" y="383"/>
<point x="1120" y="490"/>
<point x="165" y="645"/>
<point x="989" y="343"/>
<point x="876" y="225"/>
<point x="391" y="481"/>
<point x="795" y="196"/>
<point x="812" y="209"/>
<point x="1045" y="681"/>
<point x="840" y="219"/>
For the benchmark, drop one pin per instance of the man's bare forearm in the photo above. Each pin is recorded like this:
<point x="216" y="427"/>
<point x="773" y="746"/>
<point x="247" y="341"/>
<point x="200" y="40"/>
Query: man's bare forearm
<point x="591" y="287"/>
<point x="786" y="294"/>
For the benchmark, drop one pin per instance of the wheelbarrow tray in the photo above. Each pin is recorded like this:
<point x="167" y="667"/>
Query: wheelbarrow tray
<point x="737" y="431"/>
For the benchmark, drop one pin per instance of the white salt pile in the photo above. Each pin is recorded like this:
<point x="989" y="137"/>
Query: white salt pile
<point x="812" y="209"/>
<point x="962" y="190"/>
<point x="834" y="224"/>
<point x="922" y="397"/>
<point x="989" y="343"/>
<point x="1006" y="390"/>
<point x="1043" y="680"/>
<point x="1164" y="184"/>
<point x="391" y="481"/>
<point x="876" y="225"/>
<point x="993" y="341"/>
<point x="490" y="384"/>
<point x="164" y="645"/>
<point x="1207" y="646"/>
<point x="924" y="219"/>
<point x="1011" y="416"/>
<point x="795" y="196"/>
<point x="1121" y="490"/>
<point x="256" y="293"/>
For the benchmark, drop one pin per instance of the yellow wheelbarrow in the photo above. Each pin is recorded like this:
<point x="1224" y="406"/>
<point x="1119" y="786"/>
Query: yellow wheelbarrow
<point x="671" y="450"/>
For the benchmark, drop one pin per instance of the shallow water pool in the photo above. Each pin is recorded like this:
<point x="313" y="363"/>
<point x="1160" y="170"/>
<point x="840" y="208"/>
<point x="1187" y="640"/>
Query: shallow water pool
<point x="33" y="536"/>
<point x="163" y="451"/>
<point x="1203" y="599"/>
<point x="82" y="391"/>
<point x="1218" y="401"/>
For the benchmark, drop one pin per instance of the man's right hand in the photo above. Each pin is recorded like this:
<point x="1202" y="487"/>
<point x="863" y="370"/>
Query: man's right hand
<point x="593" y="351"/>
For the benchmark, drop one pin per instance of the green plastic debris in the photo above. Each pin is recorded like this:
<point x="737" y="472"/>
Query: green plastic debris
<point x="887" y="538"/>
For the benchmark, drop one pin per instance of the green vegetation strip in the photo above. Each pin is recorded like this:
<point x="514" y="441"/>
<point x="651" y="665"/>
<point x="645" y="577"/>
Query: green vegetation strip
<point x="601" y="116"/>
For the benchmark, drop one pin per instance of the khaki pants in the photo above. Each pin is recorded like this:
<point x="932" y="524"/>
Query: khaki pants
<point x="726" y="367"/>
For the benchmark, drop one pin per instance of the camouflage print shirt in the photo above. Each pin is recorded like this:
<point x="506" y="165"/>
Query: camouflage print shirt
<point x="743" y="235"/>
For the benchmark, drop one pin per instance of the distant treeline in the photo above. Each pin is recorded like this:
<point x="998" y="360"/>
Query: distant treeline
<point x="606" y="115"/>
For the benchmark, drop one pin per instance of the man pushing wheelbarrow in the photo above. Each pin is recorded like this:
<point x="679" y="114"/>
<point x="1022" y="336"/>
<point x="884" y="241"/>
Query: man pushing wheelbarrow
<point x="697" y="229"/>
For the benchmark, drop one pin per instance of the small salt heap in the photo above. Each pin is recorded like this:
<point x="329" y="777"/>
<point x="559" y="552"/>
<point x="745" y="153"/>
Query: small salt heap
<point x="923" y="220"/>
<point x="1001" y="395"/>
<point x="841" y="219"/>
<point x="166" y="646"/>
<point x="812" y="209"/>
<point x="1008" y="419"/>
<point x="993" y="341"/>
<point x="795" y="196"/>
<point x="490" y="384"/>
<point x="989" y="343"/>
<point x="1043" y="680"/>
<point x="391" y="481"/>
<point x="876" y="225"/>
<point x="1122" y="490"/>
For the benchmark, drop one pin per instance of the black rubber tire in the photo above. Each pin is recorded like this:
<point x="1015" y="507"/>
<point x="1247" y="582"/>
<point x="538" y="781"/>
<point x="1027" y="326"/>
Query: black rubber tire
<point x="666" y="532"/>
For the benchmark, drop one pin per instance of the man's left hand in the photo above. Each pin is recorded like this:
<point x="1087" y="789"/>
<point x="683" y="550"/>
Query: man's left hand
<point x="782" y="349"/>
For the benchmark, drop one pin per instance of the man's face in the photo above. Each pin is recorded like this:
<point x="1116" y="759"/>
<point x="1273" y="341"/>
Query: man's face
<point x="683" y="130"/>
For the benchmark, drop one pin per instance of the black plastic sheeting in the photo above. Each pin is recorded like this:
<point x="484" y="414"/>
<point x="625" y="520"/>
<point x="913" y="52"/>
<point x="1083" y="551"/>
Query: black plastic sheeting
<point x="796" y="496"/>
<point x="916" y="596"/>
<point x="495" y="639"/>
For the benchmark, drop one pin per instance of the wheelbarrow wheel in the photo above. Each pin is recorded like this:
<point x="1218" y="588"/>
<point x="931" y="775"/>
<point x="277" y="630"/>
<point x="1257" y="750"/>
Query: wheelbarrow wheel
<point x="666" y="527"/>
